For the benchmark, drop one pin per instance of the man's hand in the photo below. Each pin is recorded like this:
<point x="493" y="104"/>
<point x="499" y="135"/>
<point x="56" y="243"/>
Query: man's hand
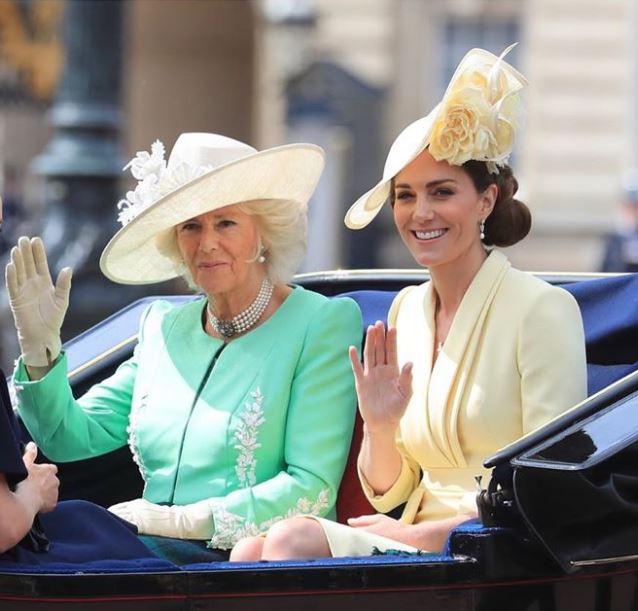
<point x="42" y="483"/>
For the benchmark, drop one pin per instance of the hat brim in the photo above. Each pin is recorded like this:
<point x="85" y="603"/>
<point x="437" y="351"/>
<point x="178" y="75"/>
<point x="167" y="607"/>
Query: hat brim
<point x="287" y="173"/>
<point x="408" y="146"/>
<point x="367" y="206"/>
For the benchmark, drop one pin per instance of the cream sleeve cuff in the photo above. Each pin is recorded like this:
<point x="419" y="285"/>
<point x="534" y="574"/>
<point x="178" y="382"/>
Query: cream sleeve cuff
<point x="397" y="494"/>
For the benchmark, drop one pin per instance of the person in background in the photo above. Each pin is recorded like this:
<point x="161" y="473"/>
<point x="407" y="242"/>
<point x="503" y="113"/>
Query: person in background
<point x="621" y="246"/>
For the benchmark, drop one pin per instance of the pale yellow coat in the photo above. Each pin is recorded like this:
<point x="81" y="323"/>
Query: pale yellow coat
<point x="514" y="358"/>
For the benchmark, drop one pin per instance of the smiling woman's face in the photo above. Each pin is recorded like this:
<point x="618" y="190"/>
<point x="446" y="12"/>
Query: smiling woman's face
<point x="437" y="211"/>
<point x="219" y="250"/>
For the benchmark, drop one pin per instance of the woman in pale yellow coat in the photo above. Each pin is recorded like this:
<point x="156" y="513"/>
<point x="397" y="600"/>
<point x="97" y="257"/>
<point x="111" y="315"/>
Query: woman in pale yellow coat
<point x="472" y="360"/>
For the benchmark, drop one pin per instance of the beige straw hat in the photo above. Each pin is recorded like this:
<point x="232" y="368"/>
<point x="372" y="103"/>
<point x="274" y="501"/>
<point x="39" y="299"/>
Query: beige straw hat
<point x="476" y="119"/>
<point x="204" y="172"/>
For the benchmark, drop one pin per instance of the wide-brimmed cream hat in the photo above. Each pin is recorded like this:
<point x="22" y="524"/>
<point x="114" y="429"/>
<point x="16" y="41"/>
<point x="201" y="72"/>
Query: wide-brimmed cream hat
<point x="476" y="119"/>
<point x="204" y="172"/>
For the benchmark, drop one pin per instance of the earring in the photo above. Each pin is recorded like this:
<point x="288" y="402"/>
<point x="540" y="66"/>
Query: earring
<point x="482" y="230"/>
<point x="261" y="258"/>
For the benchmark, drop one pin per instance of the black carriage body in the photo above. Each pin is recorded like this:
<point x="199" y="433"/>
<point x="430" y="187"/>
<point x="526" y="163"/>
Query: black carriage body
<point x="560" y="519"/>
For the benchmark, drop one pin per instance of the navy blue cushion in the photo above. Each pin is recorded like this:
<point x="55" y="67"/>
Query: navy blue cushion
<point x="82" y="533"/>
<point x="374" y="304"/>
<point x="609" y="307"/>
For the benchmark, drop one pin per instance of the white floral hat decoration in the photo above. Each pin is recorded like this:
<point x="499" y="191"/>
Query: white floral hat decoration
<point x="476" y="119"/>
<point x="204" y="172"/>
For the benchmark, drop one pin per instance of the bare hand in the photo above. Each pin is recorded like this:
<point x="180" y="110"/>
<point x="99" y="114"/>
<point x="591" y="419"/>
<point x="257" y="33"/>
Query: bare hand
<point x="430" y="535"/>
<point x="385" y="526"/>
<point x="382" y="390"/>
<point x="42" y="479"/>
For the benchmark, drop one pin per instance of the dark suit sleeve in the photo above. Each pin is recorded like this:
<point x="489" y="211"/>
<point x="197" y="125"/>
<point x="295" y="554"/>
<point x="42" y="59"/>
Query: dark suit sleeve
<point x="11" y="463"/>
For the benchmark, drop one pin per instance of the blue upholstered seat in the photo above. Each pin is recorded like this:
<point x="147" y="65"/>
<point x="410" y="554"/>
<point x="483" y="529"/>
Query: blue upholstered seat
<point x="609" y="307"/>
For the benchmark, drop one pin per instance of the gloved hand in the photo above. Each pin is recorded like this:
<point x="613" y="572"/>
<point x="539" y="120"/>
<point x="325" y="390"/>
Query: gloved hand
<point x="194" y="521"/>
<point x="38" y="307"/>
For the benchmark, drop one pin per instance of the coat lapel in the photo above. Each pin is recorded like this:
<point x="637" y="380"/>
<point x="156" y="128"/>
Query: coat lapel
<point x="414" y="319"/>
<point x="449" y="378"/>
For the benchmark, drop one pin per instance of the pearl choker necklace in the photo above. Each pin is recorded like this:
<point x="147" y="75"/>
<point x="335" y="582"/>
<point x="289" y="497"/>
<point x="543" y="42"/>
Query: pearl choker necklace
<point x="246" y="319"/>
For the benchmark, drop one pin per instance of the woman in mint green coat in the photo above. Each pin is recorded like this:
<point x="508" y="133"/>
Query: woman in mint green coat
<point x="238" y="407"/>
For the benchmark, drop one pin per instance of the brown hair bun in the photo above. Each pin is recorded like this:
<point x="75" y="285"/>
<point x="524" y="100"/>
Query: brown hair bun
<point x="510" y="220"/>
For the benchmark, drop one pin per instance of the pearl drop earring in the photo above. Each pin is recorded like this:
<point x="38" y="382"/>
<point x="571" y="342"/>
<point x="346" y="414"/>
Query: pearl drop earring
<point x="482" y="230"/>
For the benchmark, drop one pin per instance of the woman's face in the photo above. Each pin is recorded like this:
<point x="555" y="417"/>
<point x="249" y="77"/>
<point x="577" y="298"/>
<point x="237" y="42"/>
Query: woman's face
<point x="219" y="249"/>
<point x="437" y="211"/>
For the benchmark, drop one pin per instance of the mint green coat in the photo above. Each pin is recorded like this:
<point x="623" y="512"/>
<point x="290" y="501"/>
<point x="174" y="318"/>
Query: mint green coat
<point x="261" y="426"/>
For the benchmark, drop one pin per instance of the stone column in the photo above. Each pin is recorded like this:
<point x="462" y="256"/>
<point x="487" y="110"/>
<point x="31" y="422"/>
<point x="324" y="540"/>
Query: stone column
<point x="82" y="163"/>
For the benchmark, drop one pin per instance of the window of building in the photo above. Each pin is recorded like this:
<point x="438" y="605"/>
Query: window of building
<point x="484" y="31"/>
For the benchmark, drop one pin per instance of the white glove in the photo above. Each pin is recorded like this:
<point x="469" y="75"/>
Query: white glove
<point x="38" y="307"/>
<point x="194" y="521"/>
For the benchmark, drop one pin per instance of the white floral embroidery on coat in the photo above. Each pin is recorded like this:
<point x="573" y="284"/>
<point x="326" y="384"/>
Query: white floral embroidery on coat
<point x="230" y="527"/>
<point x="13" y="389"/>
<point x="134" y="418"/>
<point x="246" y="434"/>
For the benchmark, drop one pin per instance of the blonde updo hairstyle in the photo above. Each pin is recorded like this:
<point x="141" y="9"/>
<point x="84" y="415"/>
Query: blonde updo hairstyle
<point x="282" y="228"/>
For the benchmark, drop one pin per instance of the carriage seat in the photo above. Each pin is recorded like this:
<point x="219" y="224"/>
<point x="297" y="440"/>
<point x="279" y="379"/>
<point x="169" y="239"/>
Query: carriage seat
<point x="609" y="307"/>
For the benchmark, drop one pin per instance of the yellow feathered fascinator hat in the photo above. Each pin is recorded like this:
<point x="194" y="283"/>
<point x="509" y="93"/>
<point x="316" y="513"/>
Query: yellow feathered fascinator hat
<point x="476" y="119"/>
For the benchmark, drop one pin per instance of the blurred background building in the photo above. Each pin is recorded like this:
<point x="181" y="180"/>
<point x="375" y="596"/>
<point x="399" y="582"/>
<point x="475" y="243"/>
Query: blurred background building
<point x="84" y="84"/>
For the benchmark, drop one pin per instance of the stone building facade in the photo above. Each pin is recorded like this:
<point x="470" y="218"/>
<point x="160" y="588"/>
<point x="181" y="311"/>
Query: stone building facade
<point x="580" y="133"/>
<point x="227" y="65"/>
